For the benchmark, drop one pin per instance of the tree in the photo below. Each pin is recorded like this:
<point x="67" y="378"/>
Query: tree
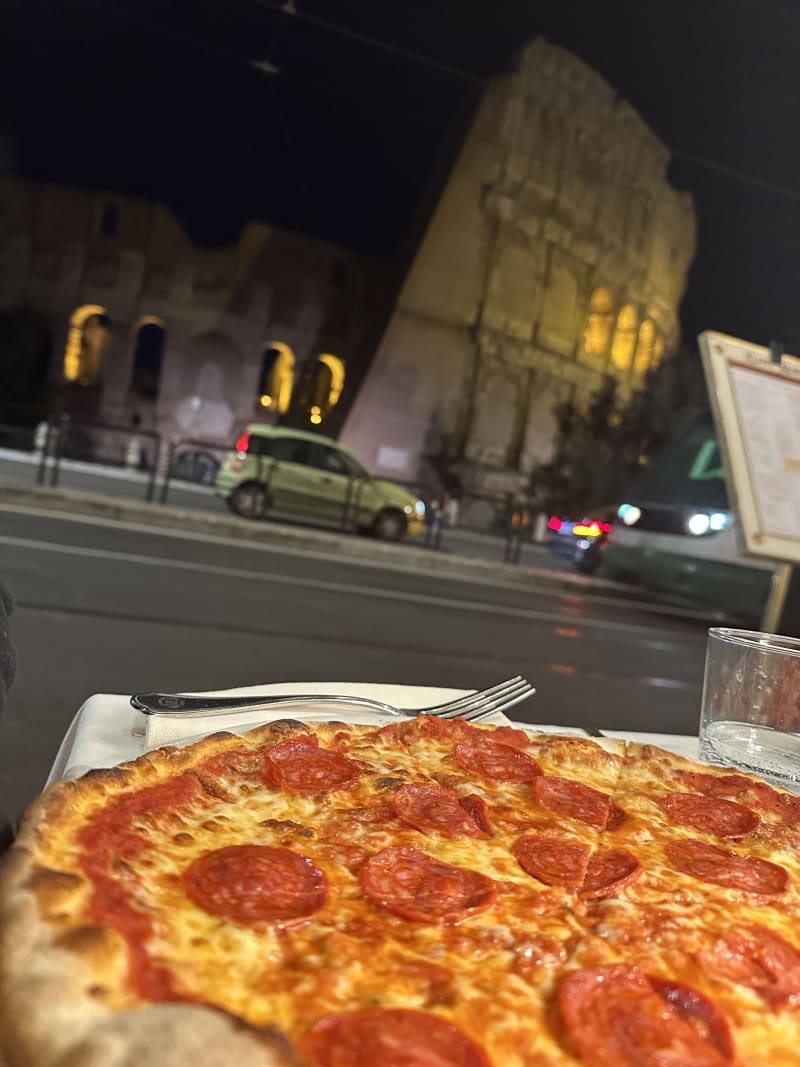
<point x="601" y="445"/>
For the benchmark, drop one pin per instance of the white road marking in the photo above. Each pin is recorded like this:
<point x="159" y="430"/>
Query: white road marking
<point x="316" y="583"/>
<point x="576" y="594"/>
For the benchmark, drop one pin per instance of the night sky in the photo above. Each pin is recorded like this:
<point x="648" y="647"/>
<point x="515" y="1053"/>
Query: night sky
<point x="351" y="140"/>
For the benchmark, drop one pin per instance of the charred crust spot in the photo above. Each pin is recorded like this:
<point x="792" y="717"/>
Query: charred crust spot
<point x="94" y="943"/>
<point x="389" y="783"/>
<point x="286" y="826"/>
<point x="214" y="788"/>
<point x="98" y="992"/>
<point x="281" y="727"/>
<point x="52" y="887"/>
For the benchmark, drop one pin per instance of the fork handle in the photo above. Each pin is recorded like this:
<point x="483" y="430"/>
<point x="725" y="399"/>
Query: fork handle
<point x="175" y="704"/>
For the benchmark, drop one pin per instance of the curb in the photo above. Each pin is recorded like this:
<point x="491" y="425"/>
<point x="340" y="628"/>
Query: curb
<point x="346" y="546"/>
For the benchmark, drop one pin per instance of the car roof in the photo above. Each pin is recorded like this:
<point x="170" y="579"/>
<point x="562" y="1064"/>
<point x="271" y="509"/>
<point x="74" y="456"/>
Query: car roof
<point x="264" y="430"/>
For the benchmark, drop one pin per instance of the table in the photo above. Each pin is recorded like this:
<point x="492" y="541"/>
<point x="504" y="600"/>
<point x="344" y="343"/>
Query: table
<point x="107" y="731"/>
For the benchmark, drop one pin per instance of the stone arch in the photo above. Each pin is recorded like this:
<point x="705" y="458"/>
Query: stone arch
<point x="87" y="343"/>
<point x="599" y="324"/>
<point x="322" y="387"/>
<point x="511" y="301"/>
<point x="645" y="346"/>
<point x="557" y="323"/>
<point x="276" y="379"/>
<point x="492" y="428"/>
<point x="210" y="383"/>
<point x="624" y="343"/>
<point x="150" y="335"/>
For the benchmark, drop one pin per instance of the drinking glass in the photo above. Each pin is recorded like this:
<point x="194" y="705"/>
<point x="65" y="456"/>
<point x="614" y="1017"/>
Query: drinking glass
<point x="750" y="714"/>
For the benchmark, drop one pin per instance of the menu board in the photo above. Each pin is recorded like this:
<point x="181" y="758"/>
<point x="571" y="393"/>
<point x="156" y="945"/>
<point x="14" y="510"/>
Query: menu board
<point x="756" y="405"/>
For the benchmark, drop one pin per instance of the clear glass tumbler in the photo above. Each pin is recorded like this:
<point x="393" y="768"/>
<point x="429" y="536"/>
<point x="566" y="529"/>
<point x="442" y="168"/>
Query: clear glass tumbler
<point x="750" y="715"/>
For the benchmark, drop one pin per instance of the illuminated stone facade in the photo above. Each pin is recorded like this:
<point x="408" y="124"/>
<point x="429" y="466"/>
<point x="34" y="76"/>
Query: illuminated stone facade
<point x="557" y="253"/>
<point x="148" y="328"/>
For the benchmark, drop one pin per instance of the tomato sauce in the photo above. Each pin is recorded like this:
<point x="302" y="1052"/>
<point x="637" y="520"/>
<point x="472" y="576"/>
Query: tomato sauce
<point x="108" y="843"/>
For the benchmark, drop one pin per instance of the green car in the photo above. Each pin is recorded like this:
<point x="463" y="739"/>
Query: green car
<point x="304" y="474"/>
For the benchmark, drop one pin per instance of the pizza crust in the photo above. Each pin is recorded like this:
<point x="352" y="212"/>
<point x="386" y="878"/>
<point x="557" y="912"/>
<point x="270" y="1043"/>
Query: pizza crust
<point x="48" y="1013"/>
<point x="53" y="1007"/>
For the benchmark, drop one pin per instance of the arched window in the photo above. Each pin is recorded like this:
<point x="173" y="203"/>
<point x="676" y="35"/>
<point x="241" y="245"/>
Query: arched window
<point x="624" y="343"/>
<point x="644" y="348"/>
<point x="599" y="323"/>
<point x="557" y="326"/>
<point x="148" y="356"/>
<point x="88" y="338"/>
<point x="323" y="387"/>
<point x="276" y="379"/>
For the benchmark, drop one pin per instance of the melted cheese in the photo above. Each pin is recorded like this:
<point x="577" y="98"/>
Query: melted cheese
<point x="494" y="974"/>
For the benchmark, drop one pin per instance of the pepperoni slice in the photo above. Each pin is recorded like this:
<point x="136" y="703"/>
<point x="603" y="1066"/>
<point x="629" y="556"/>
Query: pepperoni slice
<point x="713" y="815"/>
<point x="300" y="765"/>
<point x="746" y="790"/>
<point x="552" y="862"/>
<point x="615" y="1018"/>
<point x="609" y="871"/>
<point x="256" y="883"/>
<point x="492" y="759"/>
<point x="713" y="864"/>
<point x="705" y="1017"/>
<point x="478" y="810"/>
<point x="433" y="809"/>
<point x="577" y="801"/>
<point x="759" y="958"/>
<point x="389" y="1037"/>
<point x="616" y="817"/>
<point x="416" y="886"/>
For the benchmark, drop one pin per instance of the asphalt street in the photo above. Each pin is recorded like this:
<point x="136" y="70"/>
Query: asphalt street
<point x="118" y="482"/>
<point x="105" y="607"/>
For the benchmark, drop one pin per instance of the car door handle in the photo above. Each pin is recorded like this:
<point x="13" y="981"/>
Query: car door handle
<point x="326" y="480"/>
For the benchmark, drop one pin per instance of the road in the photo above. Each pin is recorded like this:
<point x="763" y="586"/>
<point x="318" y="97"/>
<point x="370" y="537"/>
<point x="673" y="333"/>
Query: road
<point x="20" y="467"/>
<point x="110" y="608"/>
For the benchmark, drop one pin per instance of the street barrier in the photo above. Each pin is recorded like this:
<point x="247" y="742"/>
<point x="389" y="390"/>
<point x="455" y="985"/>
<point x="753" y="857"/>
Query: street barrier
<point x="176" y="446"/>
<point x="507" y="523"/>
<point x="55" y="447"/>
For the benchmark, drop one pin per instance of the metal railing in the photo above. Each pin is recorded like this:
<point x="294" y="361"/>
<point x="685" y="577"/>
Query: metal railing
<point x="501" y="522"/>
<point x="183" y="444"/>
<point x="55" y="448"/>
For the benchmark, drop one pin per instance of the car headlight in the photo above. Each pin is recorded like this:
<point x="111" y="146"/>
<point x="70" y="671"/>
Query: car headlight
<point x="698" y="524"/>
<point x="629" y="514"/>
<point x="419" y="507"/>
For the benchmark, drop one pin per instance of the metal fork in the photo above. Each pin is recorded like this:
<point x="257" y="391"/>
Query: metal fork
<point x="475" y="706"/>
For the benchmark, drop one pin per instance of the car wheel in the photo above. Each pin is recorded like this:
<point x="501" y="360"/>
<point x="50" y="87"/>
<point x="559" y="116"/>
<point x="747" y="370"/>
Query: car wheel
<point x="390" y="526"/>
<point x="250" y="500"/>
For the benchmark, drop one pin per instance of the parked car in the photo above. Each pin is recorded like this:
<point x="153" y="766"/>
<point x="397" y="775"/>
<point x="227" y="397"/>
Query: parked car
<point x="294" y="472"/>
<point x="200" y="467"/>
<point x="572" y="537"/>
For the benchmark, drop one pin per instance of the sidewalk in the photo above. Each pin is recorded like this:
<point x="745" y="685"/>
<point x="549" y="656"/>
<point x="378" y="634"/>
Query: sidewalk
<point x="411" y="555"/>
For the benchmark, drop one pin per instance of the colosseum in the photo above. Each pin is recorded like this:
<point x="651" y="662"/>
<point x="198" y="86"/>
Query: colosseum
<point x="558" y="253"/>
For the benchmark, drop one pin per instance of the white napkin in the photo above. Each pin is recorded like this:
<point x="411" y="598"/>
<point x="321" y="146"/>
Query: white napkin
<point x="170" y="730"/>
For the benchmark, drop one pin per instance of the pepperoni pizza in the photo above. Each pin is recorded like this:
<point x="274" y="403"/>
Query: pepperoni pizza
<point x="426" y="894"/>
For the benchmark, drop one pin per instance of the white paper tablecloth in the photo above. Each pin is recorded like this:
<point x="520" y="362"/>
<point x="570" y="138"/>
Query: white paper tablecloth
<point x="107" y="731"/>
